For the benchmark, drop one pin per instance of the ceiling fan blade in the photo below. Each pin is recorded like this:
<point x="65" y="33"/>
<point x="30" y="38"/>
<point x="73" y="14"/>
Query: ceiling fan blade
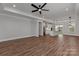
<point x="44" y="10"/>
<point x="40" y="12"/>
<point x="34" y="6"/>
<point x="34" y="10"/>
<point x="43" y="5"/>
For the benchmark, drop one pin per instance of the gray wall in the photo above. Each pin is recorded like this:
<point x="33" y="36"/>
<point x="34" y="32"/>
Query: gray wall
<point x="12" y="27"/>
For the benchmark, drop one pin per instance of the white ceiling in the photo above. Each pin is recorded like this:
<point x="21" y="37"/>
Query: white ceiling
<point x="56" y="10"/>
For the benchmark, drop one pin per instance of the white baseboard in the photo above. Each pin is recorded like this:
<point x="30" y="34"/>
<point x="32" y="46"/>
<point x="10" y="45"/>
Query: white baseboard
<point x="72" y="34"/>
<point x="14" y="38"/>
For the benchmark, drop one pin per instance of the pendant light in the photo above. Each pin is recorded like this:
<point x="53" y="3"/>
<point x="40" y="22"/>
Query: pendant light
<point x="70" y="22"/>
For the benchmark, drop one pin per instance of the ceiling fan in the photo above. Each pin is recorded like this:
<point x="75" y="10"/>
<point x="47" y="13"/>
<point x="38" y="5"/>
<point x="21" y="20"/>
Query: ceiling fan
<point x="40" y="8"/>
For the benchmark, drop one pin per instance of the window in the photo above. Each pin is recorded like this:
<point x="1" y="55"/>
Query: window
<point x="71" y="27"/>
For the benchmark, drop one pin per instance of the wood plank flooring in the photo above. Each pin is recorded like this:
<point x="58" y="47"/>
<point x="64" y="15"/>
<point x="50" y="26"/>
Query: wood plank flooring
<point x="42" y="46"/>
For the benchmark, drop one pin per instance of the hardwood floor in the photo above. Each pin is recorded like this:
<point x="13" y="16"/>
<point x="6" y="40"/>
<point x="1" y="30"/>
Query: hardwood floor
<point x="42" y="46"/>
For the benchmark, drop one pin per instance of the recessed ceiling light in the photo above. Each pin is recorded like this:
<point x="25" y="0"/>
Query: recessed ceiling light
<point x="14" y="5"/>
<point x="67" y="9"/>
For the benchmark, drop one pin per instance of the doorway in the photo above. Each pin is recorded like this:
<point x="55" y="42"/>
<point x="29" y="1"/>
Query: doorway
<point x="40" y="29"/>
<point x="59" y="29"/>
<point x="44" y="31"/>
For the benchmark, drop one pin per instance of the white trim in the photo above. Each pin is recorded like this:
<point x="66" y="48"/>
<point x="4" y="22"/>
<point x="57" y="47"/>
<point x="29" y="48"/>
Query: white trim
<point x="20" y="12"/>
<point x="14" y="38"/>
<point x="28" y="15"/>
<point x="72" y="34"/>
<point x="13" y="16"/>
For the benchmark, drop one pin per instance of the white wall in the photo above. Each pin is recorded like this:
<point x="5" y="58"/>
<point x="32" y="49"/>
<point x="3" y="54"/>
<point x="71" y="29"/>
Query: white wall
<point x="37" y="28"/>
<point x="77" y="28"/>
<point x="12" y="27"/>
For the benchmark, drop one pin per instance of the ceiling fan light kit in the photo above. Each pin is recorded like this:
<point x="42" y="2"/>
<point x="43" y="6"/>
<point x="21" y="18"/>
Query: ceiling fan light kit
<point x="40" y="8"/>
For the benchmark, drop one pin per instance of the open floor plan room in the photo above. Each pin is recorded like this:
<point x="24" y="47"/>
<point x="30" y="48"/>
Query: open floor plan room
<point x="39" y="29"/>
